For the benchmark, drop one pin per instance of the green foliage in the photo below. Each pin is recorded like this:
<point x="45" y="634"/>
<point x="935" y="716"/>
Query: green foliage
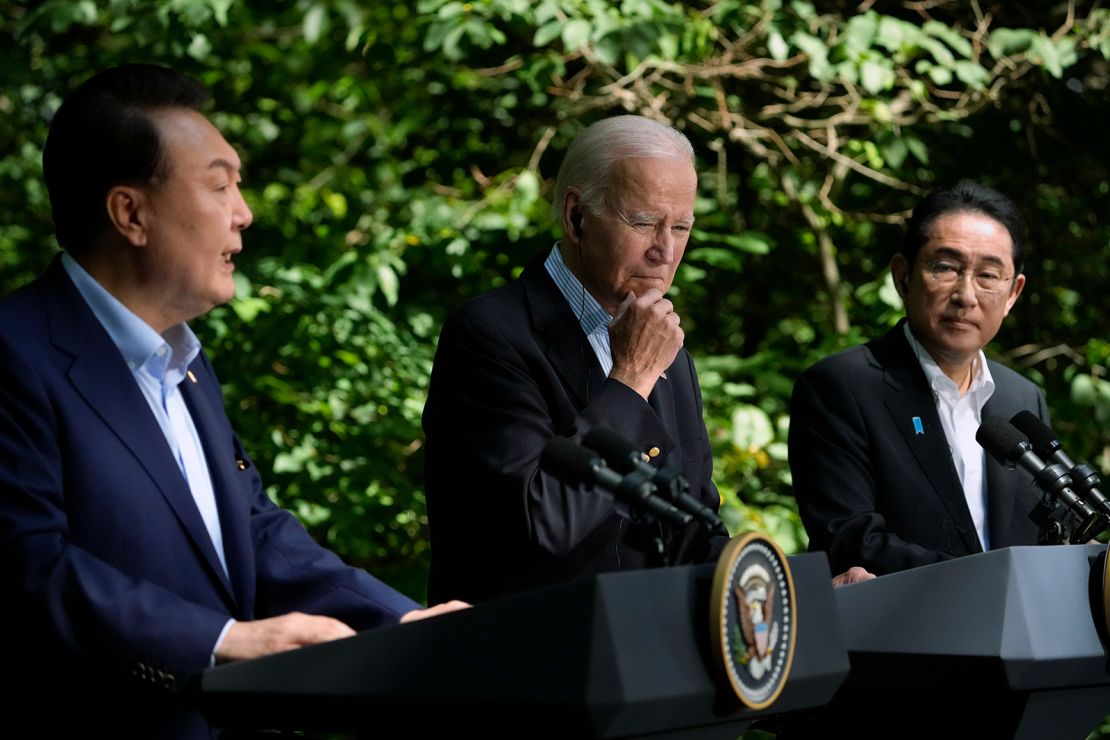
<point x="399" y="157"/>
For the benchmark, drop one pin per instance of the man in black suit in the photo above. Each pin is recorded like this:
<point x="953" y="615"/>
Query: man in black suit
<point x="886" y="469"/>
<point x="585" y="339"/>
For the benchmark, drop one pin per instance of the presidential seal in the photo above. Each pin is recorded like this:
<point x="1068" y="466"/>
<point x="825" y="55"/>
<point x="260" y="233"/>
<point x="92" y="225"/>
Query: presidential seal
<point x="753" y="620"/>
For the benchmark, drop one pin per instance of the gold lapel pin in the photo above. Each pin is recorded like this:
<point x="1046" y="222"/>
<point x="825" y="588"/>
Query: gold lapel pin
<point x="191" y="376"/>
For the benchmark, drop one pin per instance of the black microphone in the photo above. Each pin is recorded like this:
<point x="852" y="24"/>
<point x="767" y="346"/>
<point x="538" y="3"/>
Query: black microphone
<point x="622" y="456"/>
<point x="1010" y="447"/>
<point x="1084" y="478"/>
<point x="576" y="465"/>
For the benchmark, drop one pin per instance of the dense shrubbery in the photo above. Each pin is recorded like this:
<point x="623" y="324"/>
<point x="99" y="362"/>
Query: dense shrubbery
<point x="398" y="158"/>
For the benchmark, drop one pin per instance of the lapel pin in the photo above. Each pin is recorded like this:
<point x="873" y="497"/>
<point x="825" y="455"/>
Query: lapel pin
<point x="191" y="376"/>
<point x="918" y="427"/>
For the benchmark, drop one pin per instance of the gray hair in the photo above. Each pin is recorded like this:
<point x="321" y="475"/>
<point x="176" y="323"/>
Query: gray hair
<point x="590" y="159"/>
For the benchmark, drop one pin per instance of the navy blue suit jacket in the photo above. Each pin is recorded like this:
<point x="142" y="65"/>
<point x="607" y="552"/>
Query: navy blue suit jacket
<point x="512" y="370"/>
<point x="875" y="490"/>
<point x="107" y="566"/>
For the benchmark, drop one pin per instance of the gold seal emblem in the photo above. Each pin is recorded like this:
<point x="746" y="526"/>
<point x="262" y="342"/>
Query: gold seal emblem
<point x="753" y="621"/>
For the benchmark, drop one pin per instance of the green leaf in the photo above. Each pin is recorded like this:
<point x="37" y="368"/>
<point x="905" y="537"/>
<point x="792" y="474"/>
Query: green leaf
<point x="860" y="33"/>
<point x="876" y="76"/>
<point x="972" y="75"/>
<point x="950" y="36"/>
<point x="751" y="428"/>
<point x="576" y="33"/>
<point x="917" y="148"/>
<point x="547" y="33"/>
<point x="1044" y="51"/>
<point x="314" y="21"/>
<point x="200" y="47"/>
<point x="1003" y="42"/>
<point x="818" y="54"/>
<point x="388" y="283"/>
<point x="894" y="152"/>
<point x="777" y="46"/>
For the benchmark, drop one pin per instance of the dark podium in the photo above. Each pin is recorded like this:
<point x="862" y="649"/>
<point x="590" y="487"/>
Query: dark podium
<point x="1007" y="643"/>
<point x="616" y="655"/>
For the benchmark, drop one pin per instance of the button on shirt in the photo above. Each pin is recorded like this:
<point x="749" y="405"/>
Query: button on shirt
<point x="960" y="415"/>
<point x="158" y="363"/>
<point x="593" y="319"/>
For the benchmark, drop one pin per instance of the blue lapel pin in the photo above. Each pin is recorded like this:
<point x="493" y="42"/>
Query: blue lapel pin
<point x="918" y="427"/>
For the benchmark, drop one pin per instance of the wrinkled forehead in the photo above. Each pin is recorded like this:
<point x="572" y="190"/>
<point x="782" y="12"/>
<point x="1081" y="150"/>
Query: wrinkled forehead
<point x="649" y="183"/>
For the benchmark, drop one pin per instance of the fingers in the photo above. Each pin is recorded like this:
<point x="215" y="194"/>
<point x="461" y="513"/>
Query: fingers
<point x="265" y="636"/>
<point x="625" y="304"/>
<point x="435" y="611"/>
<point x="855" y="574"/>
<point x="644" y="341"/>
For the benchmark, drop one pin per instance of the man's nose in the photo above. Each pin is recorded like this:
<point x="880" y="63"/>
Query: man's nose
<point x="663" y="246"/>
<point x="242" y="217"/>
<point x="965" y="290"/>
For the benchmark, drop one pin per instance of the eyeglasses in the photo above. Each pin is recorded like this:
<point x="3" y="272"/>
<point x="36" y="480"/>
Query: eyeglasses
<point x="986" y="279"/>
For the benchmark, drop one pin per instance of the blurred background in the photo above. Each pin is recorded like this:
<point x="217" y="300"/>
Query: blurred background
<point x="399" y="157"/>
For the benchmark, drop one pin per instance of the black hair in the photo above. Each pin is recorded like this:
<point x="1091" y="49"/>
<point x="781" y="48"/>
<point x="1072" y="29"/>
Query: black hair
<point x="103" y="136"/>
<point x="965" y="196"/>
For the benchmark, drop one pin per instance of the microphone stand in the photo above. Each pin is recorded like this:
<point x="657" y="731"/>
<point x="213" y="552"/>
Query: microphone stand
<point x="1049" y="519"/>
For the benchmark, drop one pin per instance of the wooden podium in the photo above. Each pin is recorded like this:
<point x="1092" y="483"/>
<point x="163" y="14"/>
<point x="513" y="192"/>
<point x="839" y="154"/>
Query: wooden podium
<point x="618" y="655"/>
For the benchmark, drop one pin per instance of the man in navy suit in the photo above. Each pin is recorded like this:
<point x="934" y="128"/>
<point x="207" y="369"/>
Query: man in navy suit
<point x="887" y="472"/>
<point x="585" y="339"/>
<point x="136" y="543"/>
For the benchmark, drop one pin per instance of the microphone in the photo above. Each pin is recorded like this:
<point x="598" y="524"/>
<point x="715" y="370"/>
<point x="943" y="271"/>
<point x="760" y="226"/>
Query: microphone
<point x="576" y="465"/>
<point x="1010" y="447"/>
<point x="622" y="456"/>
<point x="1084" y="478"/>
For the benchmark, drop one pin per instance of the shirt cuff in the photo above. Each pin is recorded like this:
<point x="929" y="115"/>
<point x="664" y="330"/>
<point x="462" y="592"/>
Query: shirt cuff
<point x="219" y="641"/>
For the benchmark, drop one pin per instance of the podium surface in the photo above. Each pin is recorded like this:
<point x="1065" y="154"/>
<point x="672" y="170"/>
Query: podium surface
<point x="622" y="654"/>
<point x="1006" y="643"/>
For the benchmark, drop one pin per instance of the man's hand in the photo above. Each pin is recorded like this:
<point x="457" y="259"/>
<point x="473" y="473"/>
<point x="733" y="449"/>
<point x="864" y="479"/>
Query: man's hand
<point x="435" y="611"/>
<point x="855" y="574"/>
<point x="264" y="636"/>
<point x="644" y="338"/>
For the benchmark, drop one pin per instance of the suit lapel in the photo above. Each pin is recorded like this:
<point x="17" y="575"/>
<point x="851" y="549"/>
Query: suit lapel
<point x="661" y="400"/>
<point x="1001" y="484"/>
<point x="914" y="414"/>
<point x="567" y="348"/>
<point x="102" y="378"/>
<point x="234" y="508"/>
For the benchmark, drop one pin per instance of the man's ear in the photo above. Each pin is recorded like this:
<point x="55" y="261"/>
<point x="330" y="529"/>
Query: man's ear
<point x="1015" y="291"/>
<point x="900" y="272"/>
<point x="128" y="211"/>
<point x="572" y="215"/>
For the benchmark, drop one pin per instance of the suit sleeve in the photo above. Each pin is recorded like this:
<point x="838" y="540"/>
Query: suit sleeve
<point x="295" y="573"/>
<point x="493" y="405"/>
<point x="59" y="588"/>
<point x="292" y="572"/>
<point x="832" y="466"/>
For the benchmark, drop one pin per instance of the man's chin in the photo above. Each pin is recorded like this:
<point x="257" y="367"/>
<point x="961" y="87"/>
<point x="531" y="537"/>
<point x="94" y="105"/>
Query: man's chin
<point x="641" y="285"/>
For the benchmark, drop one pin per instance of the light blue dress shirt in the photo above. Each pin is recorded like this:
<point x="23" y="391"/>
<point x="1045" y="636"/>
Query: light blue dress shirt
<point x="159" y="363"/>
<point x="593" y="319"/>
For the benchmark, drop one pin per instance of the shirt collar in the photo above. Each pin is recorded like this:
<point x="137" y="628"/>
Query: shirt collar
<point x="982" y="384"/>
<point x="591" y="316"/>
<point x="166" y="355"/>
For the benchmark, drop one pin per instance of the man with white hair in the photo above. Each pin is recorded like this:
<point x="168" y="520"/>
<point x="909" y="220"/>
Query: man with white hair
<point x="585" y="339"/>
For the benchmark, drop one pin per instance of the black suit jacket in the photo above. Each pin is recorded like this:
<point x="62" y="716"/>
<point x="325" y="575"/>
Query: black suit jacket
<point x="871" y="490"/>
<point x="512" y="370"/>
